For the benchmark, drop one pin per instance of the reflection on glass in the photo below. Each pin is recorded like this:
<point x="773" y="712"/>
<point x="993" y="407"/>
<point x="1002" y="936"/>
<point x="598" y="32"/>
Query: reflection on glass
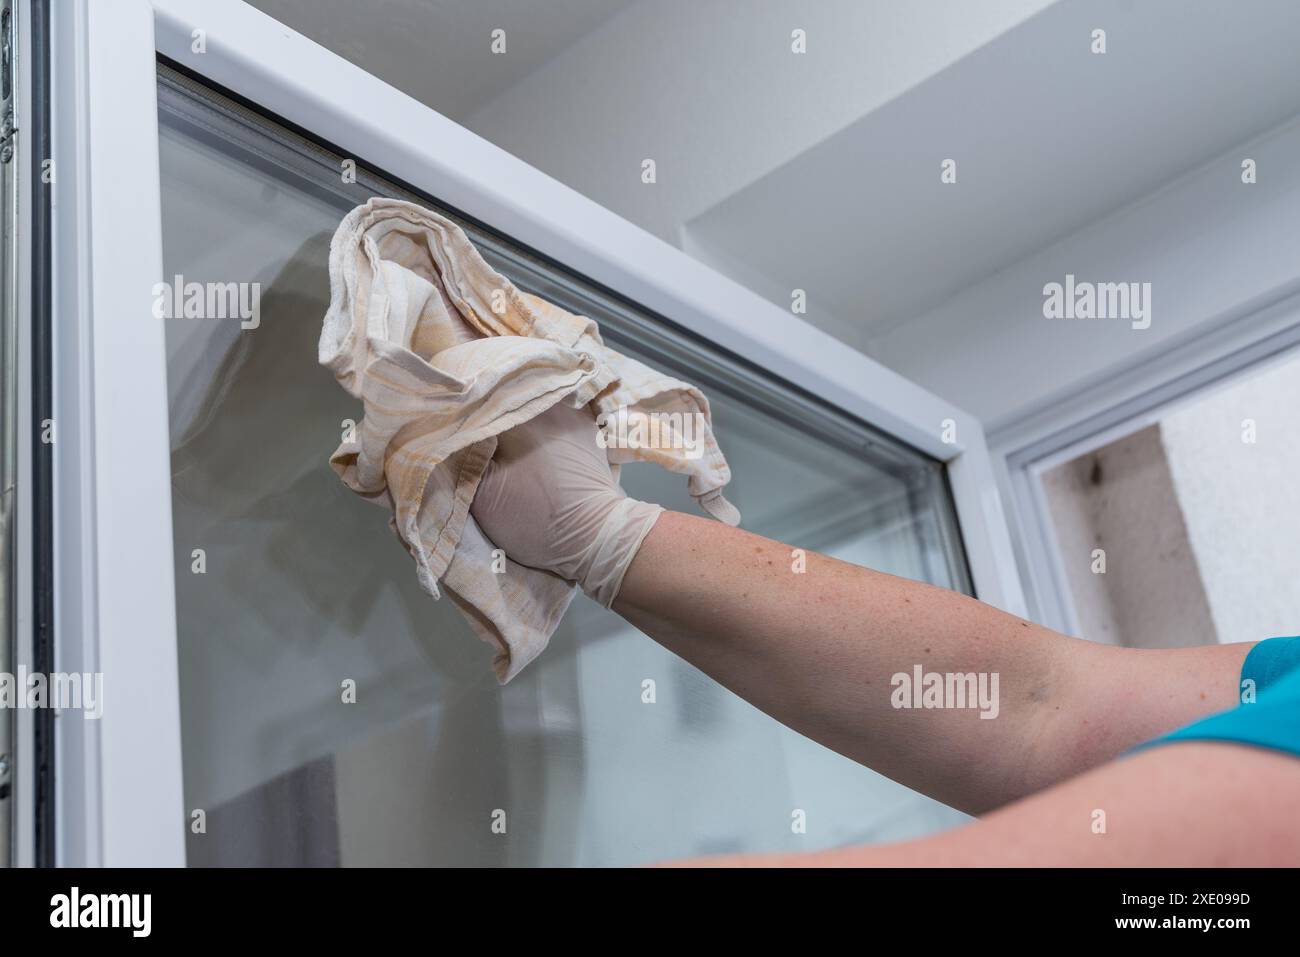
<point x="290" y="588"/>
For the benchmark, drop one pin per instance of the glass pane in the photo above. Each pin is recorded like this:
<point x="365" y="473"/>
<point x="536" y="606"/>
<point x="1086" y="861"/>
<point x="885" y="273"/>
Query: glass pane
<point x="288" y="585"/>
<point x="1200" y="500"/>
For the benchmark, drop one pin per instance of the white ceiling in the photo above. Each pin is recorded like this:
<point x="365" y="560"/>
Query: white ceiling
<point x="822" y="172"/>
<point x="712" y="91"/>
<point x="1047" y="136"/>
<point x="438" y="51"/>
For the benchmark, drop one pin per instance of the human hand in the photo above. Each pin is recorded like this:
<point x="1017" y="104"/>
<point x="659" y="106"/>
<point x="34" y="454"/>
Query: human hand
<point x="550" y="500"/>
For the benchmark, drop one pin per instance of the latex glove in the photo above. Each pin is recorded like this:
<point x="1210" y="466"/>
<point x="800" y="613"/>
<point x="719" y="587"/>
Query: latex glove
<point x="549" y="500"/>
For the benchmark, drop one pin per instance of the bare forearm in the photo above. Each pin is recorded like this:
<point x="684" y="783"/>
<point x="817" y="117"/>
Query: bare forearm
<point x="818" y="650"/>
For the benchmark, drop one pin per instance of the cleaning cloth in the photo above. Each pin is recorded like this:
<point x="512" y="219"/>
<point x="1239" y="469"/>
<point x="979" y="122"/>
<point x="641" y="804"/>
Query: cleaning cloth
<point x="445" y="354"/>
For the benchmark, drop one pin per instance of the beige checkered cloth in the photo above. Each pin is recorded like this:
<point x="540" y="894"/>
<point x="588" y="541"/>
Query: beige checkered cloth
<point x="445" y="354"/>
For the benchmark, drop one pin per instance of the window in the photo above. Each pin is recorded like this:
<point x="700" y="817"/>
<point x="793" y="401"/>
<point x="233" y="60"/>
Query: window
<point x="1182" y="531"/>
<point x="303" y="586"/>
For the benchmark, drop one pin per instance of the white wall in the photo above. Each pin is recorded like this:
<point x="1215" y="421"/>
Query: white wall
<point x="440" y="51"/>
<point x="711" y="91"/>
<point x="1240" y="500"/>
<point x="1213" y="249"/>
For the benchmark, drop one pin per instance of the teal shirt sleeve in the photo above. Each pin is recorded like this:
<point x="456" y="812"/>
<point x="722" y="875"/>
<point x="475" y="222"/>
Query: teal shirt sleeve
<point x="1270" y="676"/>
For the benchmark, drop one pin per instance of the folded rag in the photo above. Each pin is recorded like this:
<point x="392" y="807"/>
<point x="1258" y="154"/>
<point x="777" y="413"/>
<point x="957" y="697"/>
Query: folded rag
<point x="445" y="354"/>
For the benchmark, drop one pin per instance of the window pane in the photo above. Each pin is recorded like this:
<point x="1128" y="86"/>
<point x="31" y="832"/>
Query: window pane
<point x="288" y="585"/>
<point x="1182" y="532"/>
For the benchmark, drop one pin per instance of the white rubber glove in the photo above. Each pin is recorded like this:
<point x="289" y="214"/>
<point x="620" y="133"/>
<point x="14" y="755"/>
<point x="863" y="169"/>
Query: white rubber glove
<point x="550" y="500"/>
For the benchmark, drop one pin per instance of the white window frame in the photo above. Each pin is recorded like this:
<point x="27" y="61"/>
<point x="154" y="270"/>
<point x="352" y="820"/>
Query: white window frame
<point x="116" y="604"/>
<point x="1258" y="332"/>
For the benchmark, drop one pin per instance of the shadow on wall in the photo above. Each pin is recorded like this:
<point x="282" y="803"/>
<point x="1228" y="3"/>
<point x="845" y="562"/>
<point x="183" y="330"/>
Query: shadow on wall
<point x="1128" y="560"/>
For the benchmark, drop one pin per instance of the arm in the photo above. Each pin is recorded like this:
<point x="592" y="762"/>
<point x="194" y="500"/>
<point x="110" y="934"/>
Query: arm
<point x="817" y="651"/>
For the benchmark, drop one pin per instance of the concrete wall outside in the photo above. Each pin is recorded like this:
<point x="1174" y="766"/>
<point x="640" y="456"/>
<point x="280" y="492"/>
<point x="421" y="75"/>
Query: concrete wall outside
<point x="1121" y="499"/>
